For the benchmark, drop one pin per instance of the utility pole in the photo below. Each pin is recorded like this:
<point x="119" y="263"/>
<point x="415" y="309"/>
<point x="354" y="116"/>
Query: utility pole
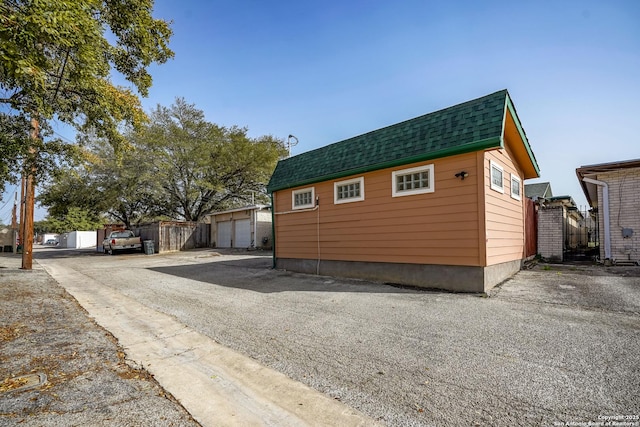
<point x="21" y="222"/>
<point x="14" y="222"/>
<point x="29" y="201"/>
<point x="14" y="219"/>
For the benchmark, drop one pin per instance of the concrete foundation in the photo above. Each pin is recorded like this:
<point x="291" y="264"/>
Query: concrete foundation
<point x="498" y="273"/>
<point x="454" y="278"/>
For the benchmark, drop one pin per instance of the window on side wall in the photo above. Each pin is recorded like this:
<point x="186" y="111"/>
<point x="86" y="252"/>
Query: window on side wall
<point x="417" y="180"/>
<point x="303" y="198"/>
<point x="348" y="191"/>
<point x="515" y="187"/>
<point x="497" y="175"/>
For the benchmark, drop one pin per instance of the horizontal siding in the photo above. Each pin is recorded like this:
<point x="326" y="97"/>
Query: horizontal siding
<point x="432" y="228"/>
<point x="500" y="235"/>
<point x="435" y="259"/>
<point x="497" y="225"/>
<point x="445" y="245"/>
<point x="504" y="215"/>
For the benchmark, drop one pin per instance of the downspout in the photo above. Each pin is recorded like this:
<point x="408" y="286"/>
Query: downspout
<point x="273" y="232"/>
<point x="605" y="207"/>
<point x="255" y="227"/>
<point x="318" y="233"/>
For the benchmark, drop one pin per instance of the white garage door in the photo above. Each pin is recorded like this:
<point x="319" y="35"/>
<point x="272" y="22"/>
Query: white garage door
<point x="243" y="234"/>
<point x="224" y="234"/>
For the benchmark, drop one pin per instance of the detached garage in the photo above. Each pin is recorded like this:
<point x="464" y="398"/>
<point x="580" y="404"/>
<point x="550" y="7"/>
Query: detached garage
<point x="78" y="239"/>
<point x="243" y="228"/>
<point x="434" y="201"/>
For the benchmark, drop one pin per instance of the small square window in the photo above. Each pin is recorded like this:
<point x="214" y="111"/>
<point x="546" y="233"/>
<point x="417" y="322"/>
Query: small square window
<point x="349" y="191"/>
<point x="417" y="180"/>
<point x="303" y="198"/>
<point x="497" y="174"/>
<point x="515" y="187"/>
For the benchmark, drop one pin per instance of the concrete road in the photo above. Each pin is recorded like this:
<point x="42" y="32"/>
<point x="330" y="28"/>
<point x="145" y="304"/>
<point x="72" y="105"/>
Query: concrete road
<point x="551" y="347"/>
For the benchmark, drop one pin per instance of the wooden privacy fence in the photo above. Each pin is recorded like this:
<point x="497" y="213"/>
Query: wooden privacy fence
<point x="531" y="228"/>
<point x="171" y="236"/>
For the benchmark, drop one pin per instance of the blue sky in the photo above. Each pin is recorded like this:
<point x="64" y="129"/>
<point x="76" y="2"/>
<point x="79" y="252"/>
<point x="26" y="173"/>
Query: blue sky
<point x="327" y="71"/>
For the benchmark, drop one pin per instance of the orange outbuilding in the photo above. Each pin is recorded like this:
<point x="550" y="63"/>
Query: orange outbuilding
<point x="436" y="201"/>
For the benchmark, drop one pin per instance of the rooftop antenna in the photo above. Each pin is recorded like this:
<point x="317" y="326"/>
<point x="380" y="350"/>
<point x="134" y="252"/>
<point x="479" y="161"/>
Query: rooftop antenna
<point x="291" y="143"/>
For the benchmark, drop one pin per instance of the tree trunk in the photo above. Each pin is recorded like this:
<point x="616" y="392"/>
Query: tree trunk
<point x="29" y="202"/>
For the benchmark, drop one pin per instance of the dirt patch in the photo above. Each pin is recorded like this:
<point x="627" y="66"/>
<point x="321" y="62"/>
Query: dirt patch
<point x="11" y="332"/>
<point x="13" y="383"/>
<point x="46" y="335"/>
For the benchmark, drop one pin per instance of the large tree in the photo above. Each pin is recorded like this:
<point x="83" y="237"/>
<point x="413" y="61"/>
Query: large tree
<point x="56" y="60"/>
<point x="198" y="167"/>
<point x="103" y="184"/>
<point x="180" y="167"/>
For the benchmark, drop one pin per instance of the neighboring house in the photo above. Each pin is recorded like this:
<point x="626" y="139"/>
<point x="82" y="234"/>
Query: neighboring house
<point x="540" y="190"/>
<point x="247" y="228"/>
<point x="435" y="201"/>
<point x="612" y="192"/>
<point x="564" y="233"/>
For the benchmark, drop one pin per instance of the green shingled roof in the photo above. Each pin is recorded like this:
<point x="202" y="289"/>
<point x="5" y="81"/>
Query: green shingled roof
<point x="540" y="189"/>
<point x="471" y="126"/>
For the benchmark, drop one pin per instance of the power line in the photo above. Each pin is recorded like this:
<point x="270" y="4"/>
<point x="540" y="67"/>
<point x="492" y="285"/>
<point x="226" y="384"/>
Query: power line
<point x="5" y="203"/>
<point x="63" y="137"/>
<point x="8" y="215"/>
<point x="6" y="220"/>
<point x="9" y="191"/>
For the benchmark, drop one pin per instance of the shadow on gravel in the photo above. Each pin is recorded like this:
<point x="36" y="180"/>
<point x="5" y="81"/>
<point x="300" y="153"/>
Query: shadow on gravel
<point x="60" y="253"/>
<point x="51" y="253"/>
<point x="255" y="274"/>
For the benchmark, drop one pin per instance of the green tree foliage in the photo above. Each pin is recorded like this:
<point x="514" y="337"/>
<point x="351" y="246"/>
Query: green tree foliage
<point x="122" y="185"/>
<point x="180" y="167"/>
<point x="56" y="59"/>
<point x="13" y="137"/>
<point x="198" y="167"/>
<point x="76" y="219"/>
<point x="70" y="187"/>
<point x="41" y="227"/>
<point x="103" y="185"/>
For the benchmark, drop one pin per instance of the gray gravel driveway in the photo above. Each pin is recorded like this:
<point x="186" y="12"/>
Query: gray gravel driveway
<point x="551" y="346"/>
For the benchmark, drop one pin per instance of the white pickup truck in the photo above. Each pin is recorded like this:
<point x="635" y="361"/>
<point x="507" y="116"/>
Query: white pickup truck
<point x="122" y="240"/>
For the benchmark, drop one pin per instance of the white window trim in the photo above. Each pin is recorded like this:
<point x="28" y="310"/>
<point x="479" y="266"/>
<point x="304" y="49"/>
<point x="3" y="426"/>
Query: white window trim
<point x="493" y="165"/>
<point x="303" y="190"/>
<point x="348" y="181"/>
<point x="519" y="182"/>
<point x="430" y="189"/>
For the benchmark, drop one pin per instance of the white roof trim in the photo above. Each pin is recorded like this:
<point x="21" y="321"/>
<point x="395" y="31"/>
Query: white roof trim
<point x="245" y="208"/>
